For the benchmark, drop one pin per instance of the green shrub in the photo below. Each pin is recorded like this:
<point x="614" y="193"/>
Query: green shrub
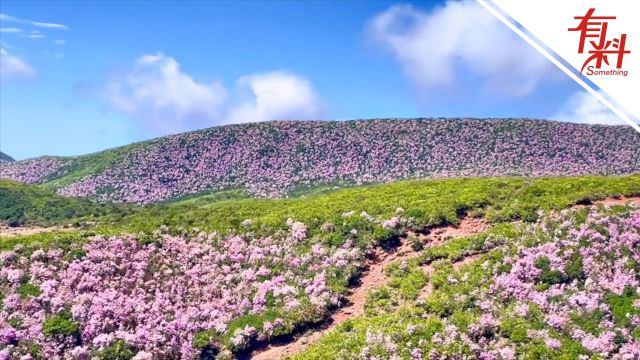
<point x="515" y="329"/>
<point x="549" y="276"/>
<point x="416" y="244"/>
<point x="588" y="321"/>
<point x="60" y="324"/>
<point x="379" y="301"/>
<point x="573" y="268"/>
<point x="28" y="290"/>
<point x="622" y="305"/>
<point x="204" y="339"/>
<point x="119" y="350"/>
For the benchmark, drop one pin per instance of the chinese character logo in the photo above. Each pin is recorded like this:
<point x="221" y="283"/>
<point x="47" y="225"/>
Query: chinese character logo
<point x="593" y="34"/>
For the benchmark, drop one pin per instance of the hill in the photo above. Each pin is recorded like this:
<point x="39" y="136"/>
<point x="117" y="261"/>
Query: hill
<point x="385" y="262"/>
<point x="429" y="202"/>
<point x="27" y="205"/>
<point x="564" y="287"/>
<point x="276" y="158"/>
<point x="4" y="157"/>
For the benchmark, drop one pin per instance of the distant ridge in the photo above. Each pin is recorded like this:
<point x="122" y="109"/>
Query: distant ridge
<point x="5" y="157"/>
<point x="271" y="159"/>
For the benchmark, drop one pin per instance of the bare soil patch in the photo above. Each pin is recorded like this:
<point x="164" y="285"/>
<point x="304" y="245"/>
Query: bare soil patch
<point x="373" y="277"/>
<point x="7" y="231"/>
<point x="618" y="201"/>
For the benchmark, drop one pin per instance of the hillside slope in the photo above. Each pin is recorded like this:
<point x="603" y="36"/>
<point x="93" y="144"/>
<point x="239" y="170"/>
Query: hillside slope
<point x="259" y="272"/>
<point x="4" y="157"/>
<point x="27" y="205"/>
<point x="271" y="159"/>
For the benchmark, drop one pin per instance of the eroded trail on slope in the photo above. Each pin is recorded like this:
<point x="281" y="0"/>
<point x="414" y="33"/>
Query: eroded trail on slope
<point x="621" y="200"/>
<point x="7" y="231"/>
<point x="374" y="277"/>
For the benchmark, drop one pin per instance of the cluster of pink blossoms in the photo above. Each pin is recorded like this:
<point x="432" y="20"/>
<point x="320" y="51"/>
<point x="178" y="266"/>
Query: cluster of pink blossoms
<point x="270" y="159"/>
<point x="157" y="296"/>
<point x="575" y="270"/>
<point x="584" y="267"/>
<point x="570" y="284"/>
<point x="30" y="171"/>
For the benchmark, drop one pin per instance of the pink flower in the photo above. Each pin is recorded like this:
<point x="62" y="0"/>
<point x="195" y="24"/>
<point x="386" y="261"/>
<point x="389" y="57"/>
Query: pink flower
<point x="15" y="276"/>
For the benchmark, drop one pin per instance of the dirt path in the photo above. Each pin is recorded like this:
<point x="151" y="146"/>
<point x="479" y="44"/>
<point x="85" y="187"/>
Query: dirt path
<point x="374" y="277"/>
<point x="6" y="231"/>
<point x="467" y="226"/>
<point x="618" y="201"/>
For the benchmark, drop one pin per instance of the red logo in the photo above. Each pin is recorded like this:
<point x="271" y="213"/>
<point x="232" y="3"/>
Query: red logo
<point x="595" y="27"/>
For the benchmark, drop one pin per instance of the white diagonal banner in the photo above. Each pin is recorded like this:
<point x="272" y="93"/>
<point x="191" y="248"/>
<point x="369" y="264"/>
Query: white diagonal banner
<point x="596" y="43"/>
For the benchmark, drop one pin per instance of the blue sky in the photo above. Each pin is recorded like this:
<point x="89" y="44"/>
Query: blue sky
<point x="101" y="74"/>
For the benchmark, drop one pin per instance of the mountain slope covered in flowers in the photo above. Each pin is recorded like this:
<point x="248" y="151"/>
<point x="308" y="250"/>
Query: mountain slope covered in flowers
<point x="177" y="293"/>
<point x="565" y="287"/>
<point x="430" y="202"/>
<point x="275" y="158"/>
<point x="256" y="245"/>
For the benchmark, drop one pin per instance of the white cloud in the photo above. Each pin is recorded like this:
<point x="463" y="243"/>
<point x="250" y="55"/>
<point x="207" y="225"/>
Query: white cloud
<point x="157" y="91"/>
<point x="9" y="18"/>
<point x="583" y="107"/>
<point x="10" y="30"/>
<point x="167" y="100"/>
<point x="35" y="34"/>
<point x="275" y="95"/>
<point x="59" y="42"/>
<point x="13" y="67"/>
<point x="57" y="55"/>
<point x="433" y="47"/>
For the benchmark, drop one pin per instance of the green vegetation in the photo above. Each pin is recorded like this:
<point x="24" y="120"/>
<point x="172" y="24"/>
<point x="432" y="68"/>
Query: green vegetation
<point x="622" y="305"/>
<point x="119" y="350"/>
<point x="458" y="248"/>
<point x="81" y="166"/>
<point x="71" y="242"/>
<point x="208" y="197"/>
<point x="28" y="205"/>
<point x="475" y="304"/>
<point x="406" y="281"/>
<point x="61" y="324"/>
<point x="429" y="202"/>
<point x="27" y="290"/>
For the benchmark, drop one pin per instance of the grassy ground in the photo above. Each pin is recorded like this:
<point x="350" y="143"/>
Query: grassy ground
<point x="29" y="205"/>
<point x="430" y="202"/>
<point x="424" y="203"/>
<point x="397" y="322"/>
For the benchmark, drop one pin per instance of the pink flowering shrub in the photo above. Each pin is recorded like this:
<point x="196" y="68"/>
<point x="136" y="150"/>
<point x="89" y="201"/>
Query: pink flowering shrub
<point x="30" y="171"/>
<point x="567" y="286"/>
<point x="165" y="296"/>
<point x="272" y="159"/>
